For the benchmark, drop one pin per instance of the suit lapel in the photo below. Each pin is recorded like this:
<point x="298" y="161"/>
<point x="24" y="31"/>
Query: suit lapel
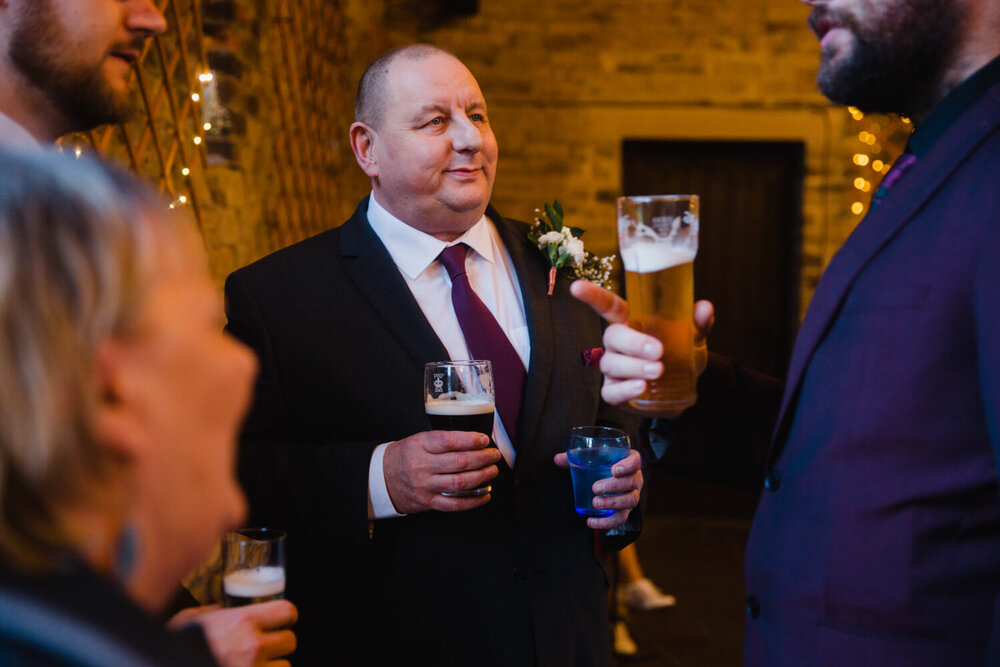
<point x="532" y="276"/>
<point x="377" y="278"/>
<point x="878" y="228"/>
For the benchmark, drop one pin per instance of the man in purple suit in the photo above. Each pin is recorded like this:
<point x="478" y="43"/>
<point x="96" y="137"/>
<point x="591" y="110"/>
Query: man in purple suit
<point x="877" y="536"/>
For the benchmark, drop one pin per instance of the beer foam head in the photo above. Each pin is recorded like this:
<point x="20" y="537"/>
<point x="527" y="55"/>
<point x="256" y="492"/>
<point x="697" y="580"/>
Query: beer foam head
<point x="458" y="404"/>
<point x="255" y="582"/>
<point x="643" y="256"/>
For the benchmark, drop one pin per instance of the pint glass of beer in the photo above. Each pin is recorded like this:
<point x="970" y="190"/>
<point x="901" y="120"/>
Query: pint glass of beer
<point x="253" y="566"/>
<point x="458" y="396"/>
<point x="658" y="240"/>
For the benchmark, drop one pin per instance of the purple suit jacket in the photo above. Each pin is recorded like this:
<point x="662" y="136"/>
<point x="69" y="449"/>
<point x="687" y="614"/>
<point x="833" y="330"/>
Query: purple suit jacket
<point x="877" y="537"/>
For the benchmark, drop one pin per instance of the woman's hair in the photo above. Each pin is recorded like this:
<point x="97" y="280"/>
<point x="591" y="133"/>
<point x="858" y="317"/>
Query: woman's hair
<point x="76" y="255"/>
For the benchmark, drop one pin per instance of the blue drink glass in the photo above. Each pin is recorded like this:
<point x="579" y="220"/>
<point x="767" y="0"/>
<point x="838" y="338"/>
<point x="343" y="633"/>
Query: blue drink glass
<point x="592" y="450"/>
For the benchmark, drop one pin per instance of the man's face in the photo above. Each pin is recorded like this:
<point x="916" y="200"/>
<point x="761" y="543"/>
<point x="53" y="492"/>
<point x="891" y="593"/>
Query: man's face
<point x="77" y="53"/>
<point x="434" y="149"/>
<point x="885" y="55"/>
<point x="188" y="385"/>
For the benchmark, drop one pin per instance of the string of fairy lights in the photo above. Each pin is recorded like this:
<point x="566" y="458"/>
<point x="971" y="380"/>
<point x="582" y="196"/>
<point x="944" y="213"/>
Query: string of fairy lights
<point x="882" y="138"/>
<point x="206" y="109"/>
<point x="207" y="102"/>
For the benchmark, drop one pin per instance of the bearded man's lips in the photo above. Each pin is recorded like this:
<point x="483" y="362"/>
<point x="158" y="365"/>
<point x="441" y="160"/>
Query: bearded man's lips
<point x="822" y="23"/>
<point x="129" y="50"/>
<point x="128" y="55"/>
<point x="826" y="27"/>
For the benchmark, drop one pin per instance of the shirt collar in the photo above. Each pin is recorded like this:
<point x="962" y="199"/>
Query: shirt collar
<point x="13" y="135"/>
<point x="947" y="112"/>
<point x="413" y="250"/>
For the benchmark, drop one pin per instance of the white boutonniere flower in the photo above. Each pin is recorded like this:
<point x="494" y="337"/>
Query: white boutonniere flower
<point x="562" y="246"/>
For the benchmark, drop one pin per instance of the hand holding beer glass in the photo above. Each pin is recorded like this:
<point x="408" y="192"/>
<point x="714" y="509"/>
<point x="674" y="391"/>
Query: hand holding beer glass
<point x="658" y="241"/>
<point x="458" y="396"/>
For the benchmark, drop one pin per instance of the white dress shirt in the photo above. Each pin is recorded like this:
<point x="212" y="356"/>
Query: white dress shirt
<point x="492" y="276"/>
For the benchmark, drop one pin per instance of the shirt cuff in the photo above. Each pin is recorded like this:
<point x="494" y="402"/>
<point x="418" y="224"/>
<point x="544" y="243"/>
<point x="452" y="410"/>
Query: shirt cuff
<point x="381" y="503"/>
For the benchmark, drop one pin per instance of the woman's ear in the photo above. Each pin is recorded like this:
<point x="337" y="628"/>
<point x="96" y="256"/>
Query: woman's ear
<point x="118" y="423"/>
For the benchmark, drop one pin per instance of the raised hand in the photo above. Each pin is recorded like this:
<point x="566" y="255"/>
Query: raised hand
<point x="631" y="357"/>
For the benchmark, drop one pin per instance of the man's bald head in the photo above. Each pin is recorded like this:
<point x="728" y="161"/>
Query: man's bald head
<point x="369" y="105"/>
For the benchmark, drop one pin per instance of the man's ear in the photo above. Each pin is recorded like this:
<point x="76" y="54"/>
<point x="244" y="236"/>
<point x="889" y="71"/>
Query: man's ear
<point x="363" y="144"/>
<point x="118" y="423"/>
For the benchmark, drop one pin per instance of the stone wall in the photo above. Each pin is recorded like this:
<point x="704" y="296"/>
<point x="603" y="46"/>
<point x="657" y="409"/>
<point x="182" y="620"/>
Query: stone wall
<point x="566" y="81"/>
<point x="284" y="73"/>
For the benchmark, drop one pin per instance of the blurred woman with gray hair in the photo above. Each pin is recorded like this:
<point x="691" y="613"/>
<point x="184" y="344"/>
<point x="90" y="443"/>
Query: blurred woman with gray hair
<point x="120" y="400"/>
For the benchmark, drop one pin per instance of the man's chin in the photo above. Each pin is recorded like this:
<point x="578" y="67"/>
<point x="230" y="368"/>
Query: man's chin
<point x="470" y="203"/>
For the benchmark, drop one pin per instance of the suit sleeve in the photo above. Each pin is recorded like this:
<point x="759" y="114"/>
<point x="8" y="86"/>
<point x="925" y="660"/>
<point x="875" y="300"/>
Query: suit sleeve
<point x="616" y="539"/>
<point x="724" y="437"/>
<point x="290" y="482"/>
<point x="987" y="336"/>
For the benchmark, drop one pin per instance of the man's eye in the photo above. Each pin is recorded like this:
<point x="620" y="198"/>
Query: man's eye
<point x="437" y="121"/>
<point x="478" y="117"/>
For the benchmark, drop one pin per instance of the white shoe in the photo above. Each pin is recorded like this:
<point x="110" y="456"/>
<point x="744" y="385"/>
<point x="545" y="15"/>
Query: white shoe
<point x="624" y="645"/>
<point x="643" y="595"/>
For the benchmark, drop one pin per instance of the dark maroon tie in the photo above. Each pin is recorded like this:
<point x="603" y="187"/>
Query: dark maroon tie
<point x="485" y="339"/>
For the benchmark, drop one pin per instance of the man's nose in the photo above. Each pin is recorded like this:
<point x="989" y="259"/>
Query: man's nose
<point x="465" y="134"/>
<point x="144" y="16"/>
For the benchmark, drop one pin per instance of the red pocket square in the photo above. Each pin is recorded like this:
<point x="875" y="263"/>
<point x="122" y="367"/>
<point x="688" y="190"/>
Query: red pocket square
<point x="592" y="356"/>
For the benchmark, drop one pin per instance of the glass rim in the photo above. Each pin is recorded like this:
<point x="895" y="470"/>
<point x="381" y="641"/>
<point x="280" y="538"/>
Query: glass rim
<point x="257" y="534"/>
<point x="588" y="435"/>
<point x="646" y="199"/>
<point x="457" y="362"/>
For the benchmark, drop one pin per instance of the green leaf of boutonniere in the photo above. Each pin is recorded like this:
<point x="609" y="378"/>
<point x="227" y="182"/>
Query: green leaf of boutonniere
<point x="555" y="217"/>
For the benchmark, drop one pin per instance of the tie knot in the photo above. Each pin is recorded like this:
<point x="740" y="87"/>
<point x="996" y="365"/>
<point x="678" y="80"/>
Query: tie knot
<point x="453" y="258"/>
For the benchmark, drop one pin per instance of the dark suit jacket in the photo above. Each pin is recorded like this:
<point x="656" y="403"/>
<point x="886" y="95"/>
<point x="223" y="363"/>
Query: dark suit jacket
<point x="877" y="537"/>
<point x="342" y="344"/>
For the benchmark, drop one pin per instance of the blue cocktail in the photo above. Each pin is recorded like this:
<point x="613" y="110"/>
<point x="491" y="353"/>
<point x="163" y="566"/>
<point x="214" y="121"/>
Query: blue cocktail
<point x="592" y="451"/>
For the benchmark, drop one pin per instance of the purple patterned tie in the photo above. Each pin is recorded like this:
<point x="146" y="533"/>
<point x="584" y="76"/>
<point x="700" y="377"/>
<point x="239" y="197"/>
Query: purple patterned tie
<point x="485" y="338"/>
<point x="904" y="162"/>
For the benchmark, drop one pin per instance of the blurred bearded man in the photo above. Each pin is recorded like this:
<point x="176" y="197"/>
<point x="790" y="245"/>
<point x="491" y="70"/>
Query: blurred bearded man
<point x="889" y="57"/>
<point x="66" y="63"/>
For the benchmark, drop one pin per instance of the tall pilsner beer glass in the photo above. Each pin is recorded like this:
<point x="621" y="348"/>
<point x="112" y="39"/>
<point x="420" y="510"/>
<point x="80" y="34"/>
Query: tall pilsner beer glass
<point x="658" y="239"/>
<point x="458" y="396"/>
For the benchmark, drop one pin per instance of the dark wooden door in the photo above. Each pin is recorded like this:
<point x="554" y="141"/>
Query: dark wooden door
<point x="750" y="235"/>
